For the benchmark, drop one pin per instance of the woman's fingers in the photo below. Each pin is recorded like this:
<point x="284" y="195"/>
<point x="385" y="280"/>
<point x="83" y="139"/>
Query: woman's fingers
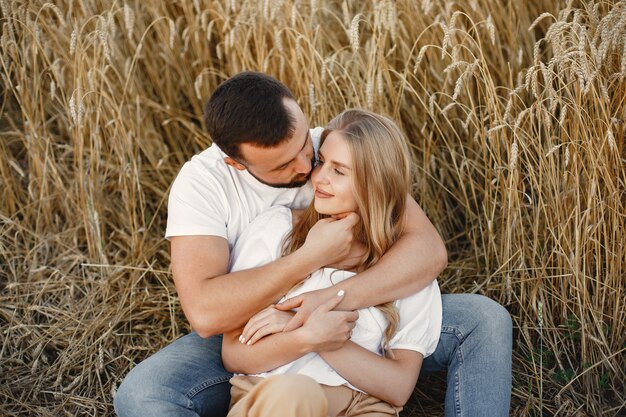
<point x="257" y="321"/>
<point x="261" y="316"/>
<point x="247" y="334"/>
<point x="264" y="323"/>
<point x="265" y="331"/>
<point x="290" y="304"/>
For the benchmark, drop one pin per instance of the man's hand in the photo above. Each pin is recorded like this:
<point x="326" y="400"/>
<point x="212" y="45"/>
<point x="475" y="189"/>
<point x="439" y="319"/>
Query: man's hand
<point x="330" y="239"/>
<point x="326" y="329"/>
<point x="265" y="322"/>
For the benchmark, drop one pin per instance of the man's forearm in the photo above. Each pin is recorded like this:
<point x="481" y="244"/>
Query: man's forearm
<point x="411" y="264"/>
<point x="215" y="301"/>
<point x="408" y="267"/>
<point x="226" y="302"/>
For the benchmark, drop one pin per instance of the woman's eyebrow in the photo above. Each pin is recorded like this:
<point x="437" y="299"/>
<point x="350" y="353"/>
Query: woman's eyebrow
<point x="341" y="164"/>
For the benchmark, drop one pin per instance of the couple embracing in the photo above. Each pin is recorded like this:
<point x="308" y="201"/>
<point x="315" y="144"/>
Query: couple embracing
<point x="307" y="272"/>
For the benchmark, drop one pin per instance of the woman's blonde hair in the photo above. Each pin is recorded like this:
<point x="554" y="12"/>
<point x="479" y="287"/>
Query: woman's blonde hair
<point x="381" y="172"/>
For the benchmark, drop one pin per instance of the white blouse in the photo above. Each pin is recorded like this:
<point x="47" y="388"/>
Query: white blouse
<point x="420" y="313"/>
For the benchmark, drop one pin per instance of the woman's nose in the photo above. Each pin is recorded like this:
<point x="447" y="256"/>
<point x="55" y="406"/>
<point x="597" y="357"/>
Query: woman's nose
<point x="319" y="174"/>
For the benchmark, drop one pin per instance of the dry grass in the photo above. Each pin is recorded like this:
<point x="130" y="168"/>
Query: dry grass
<point x="515" y="111"/>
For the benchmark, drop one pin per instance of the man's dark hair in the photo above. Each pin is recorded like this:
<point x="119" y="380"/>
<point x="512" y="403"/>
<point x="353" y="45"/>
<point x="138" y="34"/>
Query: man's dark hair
<point x="248" y="108"/>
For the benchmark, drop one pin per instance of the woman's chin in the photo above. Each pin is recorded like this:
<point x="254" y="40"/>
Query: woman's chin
<point x="322" y="209"/>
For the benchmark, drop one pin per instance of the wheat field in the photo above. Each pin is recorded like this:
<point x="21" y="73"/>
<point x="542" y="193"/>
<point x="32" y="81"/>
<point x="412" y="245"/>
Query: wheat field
<point x="515" y="112"/>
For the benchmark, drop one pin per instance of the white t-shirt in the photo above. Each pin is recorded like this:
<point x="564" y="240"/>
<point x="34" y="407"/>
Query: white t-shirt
<point x="210" y="197"/>
<point x="420" y="313"/>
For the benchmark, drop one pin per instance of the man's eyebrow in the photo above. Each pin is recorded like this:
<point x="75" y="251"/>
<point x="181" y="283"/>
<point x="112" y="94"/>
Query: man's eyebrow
<point x="308" y="135"/>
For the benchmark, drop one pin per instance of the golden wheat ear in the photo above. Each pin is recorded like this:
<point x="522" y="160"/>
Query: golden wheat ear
<point x="515" y="115"/>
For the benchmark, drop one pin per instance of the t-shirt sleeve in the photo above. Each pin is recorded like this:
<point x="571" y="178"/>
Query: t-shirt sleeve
<point x="262" y="241"/>
<point x="420" y="321"/>
<point x="196" y="206"/>
<point x="316" y="135"/>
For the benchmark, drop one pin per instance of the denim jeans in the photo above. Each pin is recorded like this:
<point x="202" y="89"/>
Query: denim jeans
<point x="187" y="378"/>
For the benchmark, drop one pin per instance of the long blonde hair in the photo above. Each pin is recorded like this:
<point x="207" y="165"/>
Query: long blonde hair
<point x="381" y="172"/>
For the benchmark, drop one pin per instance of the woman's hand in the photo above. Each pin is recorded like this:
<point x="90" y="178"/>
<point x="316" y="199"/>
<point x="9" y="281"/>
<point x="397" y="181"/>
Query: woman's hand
<point x="264" y="323"/>
<point x="327" y="329"/>
<point x="330" y="239"/>
<point x="304" y="305"/>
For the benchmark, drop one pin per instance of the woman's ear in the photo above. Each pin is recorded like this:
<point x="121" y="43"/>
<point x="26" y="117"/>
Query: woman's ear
<point x="230" y="161"/>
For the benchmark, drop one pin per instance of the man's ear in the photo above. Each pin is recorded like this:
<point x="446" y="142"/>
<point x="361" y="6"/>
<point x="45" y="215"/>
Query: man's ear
<point x="230" y="161"/>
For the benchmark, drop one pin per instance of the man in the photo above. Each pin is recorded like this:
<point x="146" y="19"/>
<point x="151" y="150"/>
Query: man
<point x="262" y="156"/>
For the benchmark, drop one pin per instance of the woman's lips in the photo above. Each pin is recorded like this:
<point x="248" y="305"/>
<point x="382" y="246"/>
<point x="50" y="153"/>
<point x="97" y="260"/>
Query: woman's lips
<point x="322" y="194"/>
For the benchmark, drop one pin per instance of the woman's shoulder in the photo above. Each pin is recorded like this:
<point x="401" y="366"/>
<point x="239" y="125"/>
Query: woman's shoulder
<point x="269" y="225"/>
<point x="261" y="241"/>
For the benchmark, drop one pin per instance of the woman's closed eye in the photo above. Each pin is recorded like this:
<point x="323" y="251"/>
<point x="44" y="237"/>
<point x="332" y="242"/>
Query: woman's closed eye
<point x="336" y="170"/>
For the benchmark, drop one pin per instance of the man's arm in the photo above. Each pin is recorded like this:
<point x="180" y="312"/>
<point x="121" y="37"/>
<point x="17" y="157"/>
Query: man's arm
<point x="410" y="265"/>
<point x="215" y="301"/>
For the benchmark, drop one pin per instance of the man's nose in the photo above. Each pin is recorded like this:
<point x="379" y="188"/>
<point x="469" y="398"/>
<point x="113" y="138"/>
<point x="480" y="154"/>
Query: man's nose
<point x="303" y="164"/>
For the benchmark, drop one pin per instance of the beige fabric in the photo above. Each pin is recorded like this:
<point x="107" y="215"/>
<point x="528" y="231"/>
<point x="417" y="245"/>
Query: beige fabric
<point x="287" y="395"/>
<point x="293" y="395"/>
<point x="344" y="401"/>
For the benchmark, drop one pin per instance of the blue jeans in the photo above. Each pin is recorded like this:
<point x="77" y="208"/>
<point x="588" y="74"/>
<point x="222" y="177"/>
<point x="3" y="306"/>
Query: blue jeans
<point x="187" y="377"/>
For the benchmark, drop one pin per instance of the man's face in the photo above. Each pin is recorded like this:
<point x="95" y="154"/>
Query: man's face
<point x="288" y="164"/>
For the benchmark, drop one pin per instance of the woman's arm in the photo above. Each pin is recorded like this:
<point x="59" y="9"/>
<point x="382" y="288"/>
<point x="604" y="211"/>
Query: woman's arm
<point x="392" y="379"/>
<point x="325" y="330"/>
<point x="265" y="355"/>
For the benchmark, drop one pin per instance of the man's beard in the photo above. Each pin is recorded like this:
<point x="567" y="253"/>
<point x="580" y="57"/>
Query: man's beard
<point x="296" y="183"/>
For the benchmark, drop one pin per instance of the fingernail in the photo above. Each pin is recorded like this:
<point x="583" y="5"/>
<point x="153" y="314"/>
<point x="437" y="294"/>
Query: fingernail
<point x="340" y="293"/>
<point x="249" y="341"/>
<point x="241" y="339"/>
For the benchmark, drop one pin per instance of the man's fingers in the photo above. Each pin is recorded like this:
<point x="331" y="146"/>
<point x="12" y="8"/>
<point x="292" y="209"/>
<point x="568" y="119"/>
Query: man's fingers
<point x="289" y="304"/>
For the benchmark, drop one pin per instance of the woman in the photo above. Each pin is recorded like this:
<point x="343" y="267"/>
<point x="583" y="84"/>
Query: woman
<point x="363" y="168"/>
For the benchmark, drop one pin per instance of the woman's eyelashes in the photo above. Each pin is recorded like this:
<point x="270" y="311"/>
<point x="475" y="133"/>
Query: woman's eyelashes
<point x="337" y="171"/>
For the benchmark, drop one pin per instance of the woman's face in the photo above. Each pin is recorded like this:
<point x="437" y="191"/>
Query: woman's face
<point x="332" y="177"/>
